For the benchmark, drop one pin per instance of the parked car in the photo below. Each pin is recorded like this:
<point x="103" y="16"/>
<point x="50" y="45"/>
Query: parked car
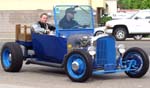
<point x="137" y="26"/>
<point x="99" y="30"/>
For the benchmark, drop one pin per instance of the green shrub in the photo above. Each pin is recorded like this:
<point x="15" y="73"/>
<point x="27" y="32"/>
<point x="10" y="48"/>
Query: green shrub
<point x="104" y="19"/>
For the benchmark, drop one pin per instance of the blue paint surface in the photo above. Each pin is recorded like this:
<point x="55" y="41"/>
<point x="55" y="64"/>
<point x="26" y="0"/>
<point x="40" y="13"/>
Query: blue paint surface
<point x="49" y="48"/>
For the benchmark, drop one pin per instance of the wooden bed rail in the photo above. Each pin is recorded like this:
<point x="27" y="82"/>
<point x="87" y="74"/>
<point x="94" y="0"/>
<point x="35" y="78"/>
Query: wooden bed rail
<point x="23" y="33"/>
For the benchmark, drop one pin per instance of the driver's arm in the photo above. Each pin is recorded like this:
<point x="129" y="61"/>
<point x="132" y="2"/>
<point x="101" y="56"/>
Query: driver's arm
<point x="83" y="26"/>
<point x="75" y="24"/>
<point x="52" y="28"/>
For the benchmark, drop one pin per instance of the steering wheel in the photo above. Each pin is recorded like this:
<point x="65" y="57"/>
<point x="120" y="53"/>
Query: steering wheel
<point x="75" y="27"/>
<point x="80" y="26"/>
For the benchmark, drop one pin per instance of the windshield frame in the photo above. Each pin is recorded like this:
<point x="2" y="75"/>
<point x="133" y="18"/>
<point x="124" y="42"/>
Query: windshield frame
<point x="80" y="6"/>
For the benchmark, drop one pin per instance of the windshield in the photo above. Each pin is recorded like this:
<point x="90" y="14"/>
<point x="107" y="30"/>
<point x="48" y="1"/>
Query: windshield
<point x="73" y="17"/>
<point x="133" y="14"/>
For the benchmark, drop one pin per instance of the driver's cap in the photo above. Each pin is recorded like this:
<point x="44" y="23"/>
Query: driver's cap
<point x="70" y="10"/>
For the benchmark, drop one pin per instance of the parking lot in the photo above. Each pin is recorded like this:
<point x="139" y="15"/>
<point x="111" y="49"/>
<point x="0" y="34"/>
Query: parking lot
<point x="35" y="76"/>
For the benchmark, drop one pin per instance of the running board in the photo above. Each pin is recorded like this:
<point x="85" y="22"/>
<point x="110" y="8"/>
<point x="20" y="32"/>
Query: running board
<point x="44" y="63"/>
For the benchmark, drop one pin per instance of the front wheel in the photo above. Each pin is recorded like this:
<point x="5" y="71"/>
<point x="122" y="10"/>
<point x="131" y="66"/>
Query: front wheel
<point x="141" y="62"/>
<point x="78" y="65"/>
<point x="11" y="57"/>
<point x="120" y="33"/>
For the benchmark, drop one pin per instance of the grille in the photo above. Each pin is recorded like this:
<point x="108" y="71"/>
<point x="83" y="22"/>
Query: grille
<point x="105" y="51"/>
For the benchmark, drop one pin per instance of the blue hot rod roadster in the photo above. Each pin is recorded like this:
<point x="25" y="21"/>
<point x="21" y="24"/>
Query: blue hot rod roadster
<point x="76" y="49"/>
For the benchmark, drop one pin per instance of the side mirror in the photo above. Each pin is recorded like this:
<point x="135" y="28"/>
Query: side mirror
<point x="137" y="18"/>
<point x="50" y="14"/>
<point x="148" y="17"/>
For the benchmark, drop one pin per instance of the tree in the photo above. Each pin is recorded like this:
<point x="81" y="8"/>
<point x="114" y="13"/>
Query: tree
<point x="145" y="4"/>
<point x="134" y="4"/>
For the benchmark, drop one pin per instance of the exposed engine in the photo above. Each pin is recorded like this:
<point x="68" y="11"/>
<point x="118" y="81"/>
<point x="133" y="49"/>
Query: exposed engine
<point x="87" y="42"/>
<point x="79" y="41"/>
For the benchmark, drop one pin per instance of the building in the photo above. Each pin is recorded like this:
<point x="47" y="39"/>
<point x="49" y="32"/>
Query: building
<point x="13" y="12"/>
<point x="45" y="4"/>
<point x="111" y="6"/>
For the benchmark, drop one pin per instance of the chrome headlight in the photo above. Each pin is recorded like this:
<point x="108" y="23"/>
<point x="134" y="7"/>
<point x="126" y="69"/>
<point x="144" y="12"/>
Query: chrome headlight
<point x="121" y="48"/>
<point x="92" y="50"/>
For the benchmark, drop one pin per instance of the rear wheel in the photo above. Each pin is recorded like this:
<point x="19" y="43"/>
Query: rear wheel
<point x="78" y="65"/>
<point x="137" y="37"/>
<point x="11" y="57"/>
<point x="140" y="64"/>
<point x="120" y="33"/>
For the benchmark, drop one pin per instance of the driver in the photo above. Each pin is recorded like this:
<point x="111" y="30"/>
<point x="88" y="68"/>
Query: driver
<point x="68" y="21"/>
<point x="42" y="27"/>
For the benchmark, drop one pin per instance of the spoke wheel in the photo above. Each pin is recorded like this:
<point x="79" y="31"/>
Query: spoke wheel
<point x="140" y="62"/>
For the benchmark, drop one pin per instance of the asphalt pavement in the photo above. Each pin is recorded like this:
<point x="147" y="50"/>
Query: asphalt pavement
<point x="35" y="76"/>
